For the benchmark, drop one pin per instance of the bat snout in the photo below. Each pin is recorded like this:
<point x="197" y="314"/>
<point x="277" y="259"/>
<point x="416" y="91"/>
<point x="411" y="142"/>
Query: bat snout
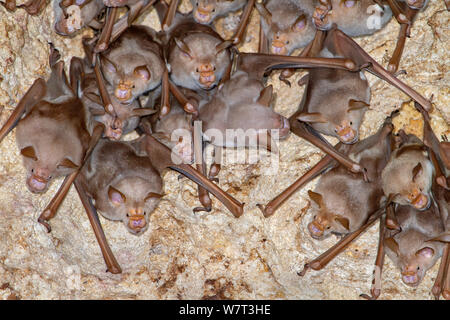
<point x="346" y="134"/>
<point x="421" y="202"/>
<point x="123" y="92"/>
<point x="37" y="183"/>
<point x="316" y="229"/>
<point x="416" y="4"/>
<point x="279" y="47"/>
<point x="410" y="278"/>
<point x="136" y="221"/>
<point x="203" y="15"/>
<point x="207" y="76"/>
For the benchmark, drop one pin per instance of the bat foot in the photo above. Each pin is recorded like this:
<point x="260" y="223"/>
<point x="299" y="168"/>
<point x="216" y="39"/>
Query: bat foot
<point x="267" y="211"/>
<point x="285" y="81"/>
<point x="45" y="224"/>
<point x="114" y="269"/>
<point x="201" y="209"/>
<point x="305" y="269"/>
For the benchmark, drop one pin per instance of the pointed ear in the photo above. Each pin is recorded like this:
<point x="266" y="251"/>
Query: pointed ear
<point x="222" y="46"/>
<point x="108" y="64"/>
<point x="142" y="72"/>
<point x="315" y="117"/>
<point x="356" y="105"/>
<point x="265" y="97"/>
<point x="299" y="24"/>
<point x="316" y="197"/>
<point x="426" y="252"/>
<point x="67" y="163"/>
<point x="393" y="245"/>
<point x="183" y="47"/>
<point x="29" y="153"/>
<point x="115" y="196"/>
<point x="343" y="221"/>
<point x="264" y="13"/>
<point x="416" y="171"/>
<point x="153" y="195"/>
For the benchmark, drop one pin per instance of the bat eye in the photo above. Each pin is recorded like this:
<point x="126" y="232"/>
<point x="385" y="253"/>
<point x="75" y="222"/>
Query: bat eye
<point x="215" y="68"/>
<point x="418" y="268"/>
<point x="128" y="215"/>
<point x="196" y="70"/>
<point x="287" y="42"/>
<point x="351" y="123"/>
<point x="180" y="139"/>
<point x="32" y="170"/>
<point x="328" y="227"/>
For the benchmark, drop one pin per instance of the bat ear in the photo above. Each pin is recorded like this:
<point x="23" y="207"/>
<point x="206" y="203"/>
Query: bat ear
<point x="151" y="195"/>
<point x="115" y="196"/>
<point x="67" y="163"/>
<point x="222" y="46"/>
<point x="356" y="105"/>
<point x="300" y="23"/>
<point x="418" y="169"/>
<point x="29" y="153"/>
<point x="108" y="65"/>
<point x="315" y="117"/>
<point x="142" y="72"/>
<point x="426" y="252"/>
<point x="393" y="245"/>
<point x="183" y="47"/>
<point x="265" y="97"/>
<point x="343" y="221"/>
<point x="316" y="197"/>
<point x="264" y="13"/>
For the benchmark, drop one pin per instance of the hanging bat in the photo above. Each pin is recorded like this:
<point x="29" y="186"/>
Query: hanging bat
<point x="285" y="25"/>
<point x="124" y="181"/>
<point x="73" y="15"/>
<point x="32" y="7"/>
<point x="345" y="209"/>
<point x="206" y="11"/>
<point x="353" y="17"/>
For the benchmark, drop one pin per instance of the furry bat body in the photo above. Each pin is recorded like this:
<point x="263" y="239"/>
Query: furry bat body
<point x="32" y="7"/>
<point x="286" y="25"/>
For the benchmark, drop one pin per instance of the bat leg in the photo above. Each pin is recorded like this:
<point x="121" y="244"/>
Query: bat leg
<point x="105" y="37"/>
<point x="170" y="15"/>
<point x="34" y="94"/>
<point x="165" y="98"/>
<point x="189" y="105"/>
<point x="203" y="195"/>
<point x="375" y="291"/>
<point x="321" y="261"/>
<point x="303" y="131"/>
<point x="351" y="49"/>
<point x="439" y="284"/>
<point x="276" y="202"/>
<point x="111" y="262"/>
<point x="161" y="157"/>
<point x="51" y="209"/>
<point x="391" y="221"/>
<point x="237" y="38"/>
<point x="107" y="104"/>
<point x="263" y="46"/>
<point x="285" y="75"/>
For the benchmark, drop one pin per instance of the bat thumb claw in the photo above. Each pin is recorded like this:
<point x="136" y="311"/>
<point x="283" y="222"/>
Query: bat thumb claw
<point x="45" y="224"/>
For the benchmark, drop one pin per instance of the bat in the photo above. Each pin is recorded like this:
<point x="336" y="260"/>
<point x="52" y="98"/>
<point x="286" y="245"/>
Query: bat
<point x="124" y="180"/>
<point x="32" y="7"/>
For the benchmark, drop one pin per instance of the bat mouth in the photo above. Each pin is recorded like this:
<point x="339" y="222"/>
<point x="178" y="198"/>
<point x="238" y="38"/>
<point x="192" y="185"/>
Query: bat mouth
<point x="421" y="202"/>
<point x="37" y="184"/>
<point x="410" y="279"/>
<point x="347" y="135"/>
<point x="202" y="16"/>
<point x="279" y="47"/>
<point x="123" y="93"/>
<point x="416" y="4"/>
<point x="137" y="223"/>
<point x="207" y="80"/>
<point x="316" y="230"/>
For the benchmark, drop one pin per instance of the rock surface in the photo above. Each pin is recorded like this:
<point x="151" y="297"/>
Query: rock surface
<point x="204" y="255"/>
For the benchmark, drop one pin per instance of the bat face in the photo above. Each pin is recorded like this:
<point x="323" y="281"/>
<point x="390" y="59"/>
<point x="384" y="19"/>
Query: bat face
<point x="123" y="185"/>
<point x="408" y="175"/>
<point x="130" y="67"/>
<point x="56" y="151"/>
<point x="198" y="61"/>
<point x="417" y="4"/>
<point x="206" y="11"/>
<point x="73" y="15"/>
<point x="410" y="250"/>
<point x="354" y="17"/>
<point x="286" y="25"/>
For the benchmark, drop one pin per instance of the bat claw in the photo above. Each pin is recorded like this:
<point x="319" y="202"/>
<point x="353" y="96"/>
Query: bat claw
<point x="45" y="224"/>
<point x="266" y="211"/>
<point x="305" y="269"/>
<point x="200" y="209"/>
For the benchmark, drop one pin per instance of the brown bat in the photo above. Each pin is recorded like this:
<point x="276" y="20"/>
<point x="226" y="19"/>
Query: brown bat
<point x="124" y="181"/>
<point x="345" y="209"/>
<point x="285" y="25"/>
<point x="409" y="174"/>
<point x="206" y="11"/>
<point x="353" y="17"/>
<point x="197" y="57"/>
<point x="32" y="7"/>
<point x="73" y="15"/>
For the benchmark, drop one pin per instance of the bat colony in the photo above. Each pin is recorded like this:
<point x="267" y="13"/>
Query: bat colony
<point x="187" y="72"/>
